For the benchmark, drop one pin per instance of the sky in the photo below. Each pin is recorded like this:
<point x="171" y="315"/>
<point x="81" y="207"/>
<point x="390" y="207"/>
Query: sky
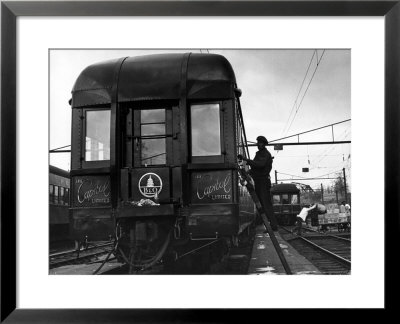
<point x="284" y="92"/>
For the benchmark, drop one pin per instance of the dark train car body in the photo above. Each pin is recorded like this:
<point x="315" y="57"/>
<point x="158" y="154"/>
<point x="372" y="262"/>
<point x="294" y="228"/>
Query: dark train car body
<point x="153" y="155"/>
<point x="59" y="188"/>
<point x="286" y="203"/>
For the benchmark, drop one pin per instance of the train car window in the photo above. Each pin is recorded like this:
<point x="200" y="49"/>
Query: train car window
<point x="276" y="199"/>
<point x="206" y="130"/>
<point x="97" y="143"/>
<point x="285" y="199"/>
<point x="51" y="194"/>
<point x="66" y="196"/>
<point x="294" y="199"/>
<point x="56" y="195"/>
<point x="62" y="201"/>
<point x="153" y="132"/>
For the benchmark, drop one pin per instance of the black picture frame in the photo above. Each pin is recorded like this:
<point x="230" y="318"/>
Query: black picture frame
<point x="11" y="10"/>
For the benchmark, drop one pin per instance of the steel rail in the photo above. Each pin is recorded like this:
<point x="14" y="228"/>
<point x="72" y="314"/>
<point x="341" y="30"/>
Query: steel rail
<point x="196" y="249"/>
<point x="323" y="234"/>
<point x="58" y="263"/>
<point x="58" y="254"/>
<point x="339" y="258"/>
<point x="331" y="235"/>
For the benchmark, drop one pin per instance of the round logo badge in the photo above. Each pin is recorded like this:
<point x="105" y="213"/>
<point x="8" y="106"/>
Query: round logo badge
<point x="150" y="184"/>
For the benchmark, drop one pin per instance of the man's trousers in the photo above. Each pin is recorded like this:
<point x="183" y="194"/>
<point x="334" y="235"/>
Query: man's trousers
<point x="263" y="191"/>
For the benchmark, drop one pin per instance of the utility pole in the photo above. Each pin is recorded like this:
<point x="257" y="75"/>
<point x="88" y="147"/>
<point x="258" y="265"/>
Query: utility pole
<point x="345" y="187"/>
<point x="276" y="177"/>
<point x="322" y="194"/>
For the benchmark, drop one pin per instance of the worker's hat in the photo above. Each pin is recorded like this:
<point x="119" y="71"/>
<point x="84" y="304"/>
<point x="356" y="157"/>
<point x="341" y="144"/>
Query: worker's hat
<point x="262" y="139"/>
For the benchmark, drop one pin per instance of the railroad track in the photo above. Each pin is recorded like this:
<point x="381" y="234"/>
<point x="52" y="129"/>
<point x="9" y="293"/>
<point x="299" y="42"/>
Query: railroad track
<point x="86" y="255"/>
<point x="341" y="236"/>
<point x="234" y="263"/>
<point x="61" y="245"/>
<point x="331" y="254"/>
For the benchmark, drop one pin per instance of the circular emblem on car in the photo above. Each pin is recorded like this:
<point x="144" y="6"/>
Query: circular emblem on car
<point x="150" y="184"/>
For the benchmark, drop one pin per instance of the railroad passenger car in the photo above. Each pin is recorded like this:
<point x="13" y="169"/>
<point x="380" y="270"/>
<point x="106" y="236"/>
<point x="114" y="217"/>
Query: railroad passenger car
<point x="59" y="187"/>
<point x="153" y="157"/>
<point x="286" y="203"/>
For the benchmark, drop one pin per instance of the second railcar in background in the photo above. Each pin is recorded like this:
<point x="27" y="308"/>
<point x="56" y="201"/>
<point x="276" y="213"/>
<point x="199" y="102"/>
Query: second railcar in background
<point x="286" y="203"/>
<point x="59" y="190"/>
<point x="153" y="156"/>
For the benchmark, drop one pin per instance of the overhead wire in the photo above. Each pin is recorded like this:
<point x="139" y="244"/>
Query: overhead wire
<point x="305" y="155"/>
<point x="298" y="94"/>
<point x="305" y="92"/>
<point x="331" y="147"/>
<point x="61" y="147"/>
<point x="291" y="175"/>
<point x="326" y="150"/>
<point x="319" y="176"/>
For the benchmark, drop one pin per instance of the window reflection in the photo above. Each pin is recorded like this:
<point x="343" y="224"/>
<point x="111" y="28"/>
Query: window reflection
<point x="157" y="129"/>
<point x="276" y="199"/>
<point x="153" y="148"/>
<point x="97" y="145"/>
<point x="295" y="199"/>
<point x="206" y="132"/>
<point x="152" y="116"/>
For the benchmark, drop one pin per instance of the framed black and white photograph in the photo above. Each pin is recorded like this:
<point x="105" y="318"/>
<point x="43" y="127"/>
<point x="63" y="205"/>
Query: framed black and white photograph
<point x="180" y="155"/>
<point x="152" y="170"/>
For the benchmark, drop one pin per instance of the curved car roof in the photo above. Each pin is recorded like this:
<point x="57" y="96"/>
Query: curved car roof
<point x="284" y="188"/>
<point x="155" y="77"/>
<point x="58" y="171"/>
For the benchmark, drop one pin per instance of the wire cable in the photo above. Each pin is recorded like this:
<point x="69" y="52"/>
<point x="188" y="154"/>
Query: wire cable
<point x="298" y="94"/>
<point x="59" y="148"/>
<point x="308" y="86"/>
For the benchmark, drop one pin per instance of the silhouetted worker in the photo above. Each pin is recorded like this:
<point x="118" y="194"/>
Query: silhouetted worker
<point x="260" y="168"/>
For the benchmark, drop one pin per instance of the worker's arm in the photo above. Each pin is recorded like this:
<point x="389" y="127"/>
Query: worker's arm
<point x="260" y="163"/>
<point x="313" y="207"/>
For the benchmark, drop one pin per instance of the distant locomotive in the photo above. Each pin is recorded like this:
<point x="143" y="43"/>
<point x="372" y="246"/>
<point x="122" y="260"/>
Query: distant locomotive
<point x="153" y="157"/>
<point x="286" y="203"/>
<point x="59" y="187"/>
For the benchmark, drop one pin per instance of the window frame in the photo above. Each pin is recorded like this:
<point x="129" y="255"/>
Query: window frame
<point x="97" y="163"/>
<point x="239" y="131"/>
<point x="137" y="133"/>
<point x="207" y="158"/>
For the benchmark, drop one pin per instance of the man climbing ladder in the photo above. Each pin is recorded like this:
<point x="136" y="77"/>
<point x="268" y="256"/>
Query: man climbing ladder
<point x="247" y="181"/>
<point x="260" y="168"/>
